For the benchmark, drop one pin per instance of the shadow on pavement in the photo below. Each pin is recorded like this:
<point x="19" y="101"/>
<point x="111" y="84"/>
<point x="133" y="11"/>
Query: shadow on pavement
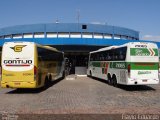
<point x="34" y="90"/>
<point x="128" y="87"/>
<point x="136" y="88"/>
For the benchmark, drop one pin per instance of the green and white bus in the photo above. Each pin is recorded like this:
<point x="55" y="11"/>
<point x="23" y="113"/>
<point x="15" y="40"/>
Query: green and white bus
<point x="134" y="63"/>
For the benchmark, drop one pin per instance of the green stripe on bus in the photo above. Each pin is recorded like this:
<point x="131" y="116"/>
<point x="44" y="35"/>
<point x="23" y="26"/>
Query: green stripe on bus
<point x="133" y="66"/>
<point x="118" y="65"/>
<point x="143" y="52"/>
<point x="144" y="66"/>
<point x="96" y="64"/>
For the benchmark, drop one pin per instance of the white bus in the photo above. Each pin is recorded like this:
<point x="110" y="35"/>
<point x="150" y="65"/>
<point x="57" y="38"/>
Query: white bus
<point x="134" y="63"/>
<point x="30" y="65"/>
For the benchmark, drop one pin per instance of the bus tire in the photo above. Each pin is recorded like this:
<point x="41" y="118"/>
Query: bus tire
<point x="63" y="75"/>
<point x="46" y="81"/>
<point x="109" y="79"/>
<point x="114" y="79"/>
<point x="90" y="73"/>
<point x="50" y="78"/>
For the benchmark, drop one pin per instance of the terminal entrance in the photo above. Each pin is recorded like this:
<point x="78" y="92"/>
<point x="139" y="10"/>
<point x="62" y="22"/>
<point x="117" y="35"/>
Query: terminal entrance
<point x="77" y="63"/>
<point x="77" y="57"/>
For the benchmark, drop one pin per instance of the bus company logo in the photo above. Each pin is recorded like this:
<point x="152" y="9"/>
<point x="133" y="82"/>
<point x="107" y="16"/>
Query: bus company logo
<point x="139" y="52"/>
<point x="18" y="48"/>
<point x="143" y="72"/>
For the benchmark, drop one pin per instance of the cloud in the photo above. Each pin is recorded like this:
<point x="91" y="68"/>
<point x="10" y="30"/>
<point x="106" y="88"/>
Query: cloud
<point x="99" y="23"/>
<point x="151" y="37"/>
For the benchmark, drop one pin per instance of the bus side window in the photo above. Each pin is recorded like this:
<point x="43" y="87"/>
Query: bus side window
<point x="91" y="57"/>
<point x="101" y="56"/>
<point x="121" y="56"/>
<point x="122" y="53"/>
<point x="115" y="57"/>
<point x="97" y="56"/>
<point x="40" y="60"/>
<point x="112" y="56"/>
<point x="116" y="54"/>
<point x="109" y="56"/>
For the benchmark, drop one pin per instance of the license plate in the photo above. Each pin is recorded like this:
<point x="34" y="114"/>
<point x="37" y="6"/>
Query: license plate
<point x="144" y="80"/>
<point x="17" y="83"/>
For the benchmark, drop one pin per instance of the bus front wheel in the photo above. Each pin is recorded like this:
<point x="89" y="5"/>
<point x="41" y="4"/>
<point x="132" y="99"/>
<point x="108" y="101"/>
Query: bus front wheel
<point x="90" y="73"/>
<point x="50" y="78"/>
<point x="63" y="75"/>
<point x="114" y="79"/>
<point x="46" y="81"/>
<point x="109" y="79"/>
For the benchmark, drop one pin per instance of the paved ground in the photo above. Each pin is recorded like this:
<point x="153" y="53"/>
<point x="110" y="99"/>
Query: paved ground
<point x="82" y="95"/>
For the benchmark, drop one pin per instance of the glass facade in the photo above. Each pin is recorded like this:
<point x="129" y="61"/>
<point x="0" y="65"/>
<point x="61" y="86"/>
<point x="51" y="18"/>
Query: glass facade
<point x="68" y="35"/>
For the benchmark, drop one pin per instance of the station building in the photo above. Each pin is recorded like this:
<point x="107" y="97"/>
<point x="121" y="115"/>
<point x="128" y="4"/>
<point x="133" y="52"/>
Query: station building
<point x="76" y="40"/>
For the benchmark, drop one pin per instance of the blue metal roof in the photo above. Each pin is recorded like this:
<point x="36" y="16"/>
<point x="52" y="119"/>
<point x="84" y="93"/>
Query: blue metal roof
<point x="68" y="27"/>
<point x="76" y="41"/>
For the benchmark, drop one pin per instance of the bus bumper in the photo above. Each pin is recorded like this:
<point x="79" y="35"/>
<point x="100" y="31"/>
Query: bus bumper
<point x="132" y="81"/>
<point x="18" y="84"/>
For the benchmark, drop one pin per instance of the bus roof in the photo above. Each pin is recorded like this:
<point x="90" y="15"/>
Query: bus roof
<point x="126" y="44"/>
<point x="48" y="47"/>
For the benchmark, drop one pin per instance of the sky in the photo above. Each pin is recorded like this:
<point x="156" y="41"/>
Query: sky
<point x="139" y="15"/>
